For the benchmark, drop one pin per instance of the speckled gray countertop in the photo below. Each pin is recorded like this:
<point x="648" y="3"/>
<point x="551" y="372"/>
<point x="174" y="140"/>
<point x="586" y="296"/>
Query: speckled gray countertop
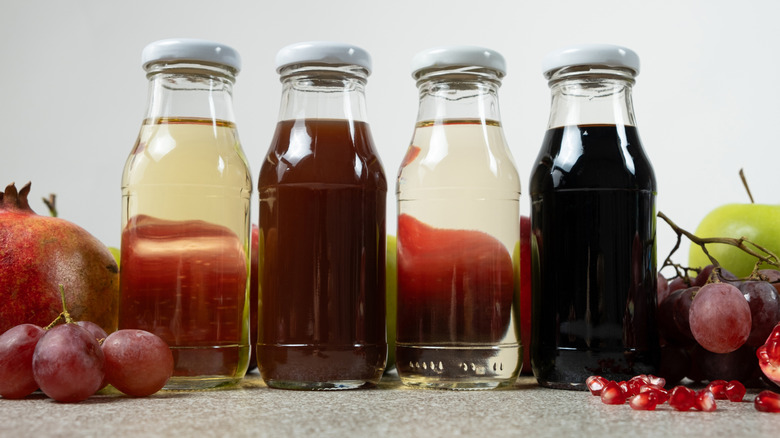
<point x="252" y="409"/>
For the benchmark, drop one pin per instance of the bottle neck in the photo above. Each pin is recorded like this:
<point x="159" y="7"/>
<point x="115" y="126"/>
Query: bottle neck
<point x="591" y="96"/>
<point x="323" y="92"/>
<point x="459" y="96"/>
<point x="190" y="91"/>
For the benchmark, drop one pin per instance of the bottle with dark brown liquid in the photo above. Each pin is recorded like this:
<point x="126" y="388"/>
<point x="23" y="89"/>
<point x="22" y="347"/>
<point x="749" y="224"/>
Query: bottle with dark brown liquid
<point x="592" y="226"/>
<point x="322" y="228"/>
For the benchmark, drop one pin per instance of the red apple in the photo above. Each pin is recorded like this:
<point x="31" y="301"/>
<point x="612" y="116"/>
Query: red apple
<point x="454" y="285"/>
<point x="525" y="292"/>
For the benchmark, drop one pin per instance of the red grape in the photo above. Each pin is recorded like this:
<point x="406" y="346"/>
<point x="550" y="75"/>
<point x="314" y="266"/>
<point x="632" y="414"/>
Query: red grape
<point x="706" y="273"/>
<point x="739" y="364"/>
<point x="138" y="363"/>
<point x="96" y="330"/>
<point x="704" y="276"/>
<point x="772" y="276"/>
<point x="17" y="346"/>
<point x="675" y="363"/>
<point x="68" y="363"/>
<point x="673" y="317"/>
<point x="764" y="309"/>
<point x="720" y="318"/>
<point x="99" y="334"/>
<point x="662" y="288"/>
<point x="680" y="283"/>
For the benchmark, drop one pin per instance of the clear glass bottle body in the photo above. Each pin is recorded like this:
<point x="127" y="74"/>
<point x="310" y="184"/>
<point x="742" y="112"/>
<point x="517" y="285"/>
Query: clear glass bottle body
<point x="593" y="235"/>
<point x="322" y="196"/>
<point x="458" y="239"/>
<point x="186" y="193"/>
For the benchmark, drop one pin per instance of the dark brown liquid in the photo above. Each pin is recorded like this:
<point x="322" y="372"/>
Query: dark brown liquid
<point x="593" y="257"/>
<point x="322" y="247"/>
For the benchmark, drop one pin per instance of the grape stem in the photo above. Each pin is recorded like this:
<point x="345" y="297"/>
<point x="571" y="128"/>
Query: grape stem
<point x="768" y="257"/>
<point x="64" y="314"/>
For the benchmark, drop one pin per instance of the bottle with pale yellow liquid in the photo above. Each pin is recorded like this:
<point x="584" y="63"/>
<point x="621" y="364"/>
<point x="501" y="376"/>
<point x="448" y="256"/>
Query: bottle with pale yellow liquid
<point x="458" y="227"/>
<point x="186" y="192"/>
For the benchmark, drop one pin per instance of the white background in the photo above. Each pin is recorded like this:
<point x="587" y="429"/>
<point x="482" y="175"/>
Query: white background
<point x="73" y="91"/>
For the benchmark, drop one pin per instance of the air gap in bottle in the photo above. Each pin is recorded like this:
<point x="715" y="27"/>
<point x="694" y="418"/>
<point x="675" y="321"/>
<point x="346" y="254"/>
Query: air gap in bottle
<point x="322" y="227"/>
<point x="186" y="190"/>
<point x="592" y="226"/>
<point x="458" y="229"/>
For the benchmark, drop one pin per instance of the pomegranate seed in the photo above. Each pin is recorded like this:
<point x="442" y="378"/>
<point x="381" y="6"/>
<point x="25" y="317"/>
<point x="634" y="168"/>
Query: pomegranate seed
<point x="682" y="398"/>
<point x="595" y="384"/>
<point x="705" y="401"/>
<point x="656" y="393"/>
<point x="635" y="384"/>
<point x="767" y="401"/>
<point x="644" y="401"/>
<point x="624" y="387"/>
<point x="612" y="394"/>
<point x="657" y="381"/>
<point x="718" y="389"/>
<point x="644" y="378"/>
<point x="735" y="391"/>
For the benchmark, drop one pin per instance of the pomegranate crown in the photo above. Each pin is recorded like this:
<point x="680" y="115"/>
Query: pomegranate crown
<point x="12" y="199"/>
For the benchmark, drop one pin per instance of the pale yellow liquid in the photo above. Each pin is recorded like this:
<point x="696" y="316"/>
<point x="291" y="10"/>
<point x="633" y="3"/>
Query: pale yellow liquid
<point x="193" y="170"/>
<point x="463" y="178"/>
<point x="185" y="169"/>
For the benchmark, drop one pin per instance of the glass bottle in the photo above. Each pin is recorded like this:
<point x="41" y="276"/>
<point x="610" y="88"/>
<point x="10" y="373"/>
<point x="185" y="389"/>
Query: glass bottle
<point x="458" y="229"/>
<point x="322" y="227"/>
<point x="186" y="190"/>
<point x="592" y="226"/>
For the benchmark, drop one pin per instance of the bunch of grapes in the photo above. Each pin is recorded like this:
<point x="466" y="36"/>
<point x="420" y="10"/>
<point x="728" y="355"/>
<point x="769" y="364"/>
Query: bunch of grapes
<point x="70" y="362"/>
<point x="711" y="325"/>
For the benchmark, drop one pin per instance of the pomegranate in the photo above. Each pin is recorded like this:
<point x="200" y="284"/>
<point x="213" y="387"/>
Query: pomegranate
<point x="769" y="356"/>
<point x="40" y="253"/>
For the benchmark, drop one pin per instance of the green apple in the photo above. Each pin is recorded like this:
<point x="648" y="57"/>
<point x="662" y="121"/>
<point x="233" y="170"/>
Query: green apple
<point x="115" y="252"/>
<point x="391" y="296"/>
<point x="759" y="223"/>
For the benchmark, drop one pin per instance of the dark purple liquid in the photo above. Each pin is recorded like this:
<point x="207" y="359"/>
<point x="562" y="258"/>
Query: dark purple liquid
<point x="593" y="257"/>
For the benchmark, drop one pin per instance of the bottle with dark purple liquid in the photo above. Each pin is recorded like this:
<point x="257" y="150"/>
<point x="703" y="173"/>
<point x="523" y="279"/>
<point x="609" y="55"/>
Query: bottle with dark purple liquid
<point x="592" y="226"/>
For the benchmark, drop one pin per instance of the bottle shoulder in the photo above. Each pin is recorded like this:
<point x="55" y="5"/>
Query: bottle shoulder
<point x="322" y="151"/>
<point x="186" y="152"/>
<point x="592" y="156"/>
<point x="468" y="154"/>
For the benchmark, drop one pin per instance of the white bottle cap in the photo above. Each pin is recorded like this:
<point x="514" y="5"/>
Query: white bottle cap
<point x="190" y="49"/>
<point x="323" y="52"/>
<point x="591" y="54"/>
<point x="459" y="56"/>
